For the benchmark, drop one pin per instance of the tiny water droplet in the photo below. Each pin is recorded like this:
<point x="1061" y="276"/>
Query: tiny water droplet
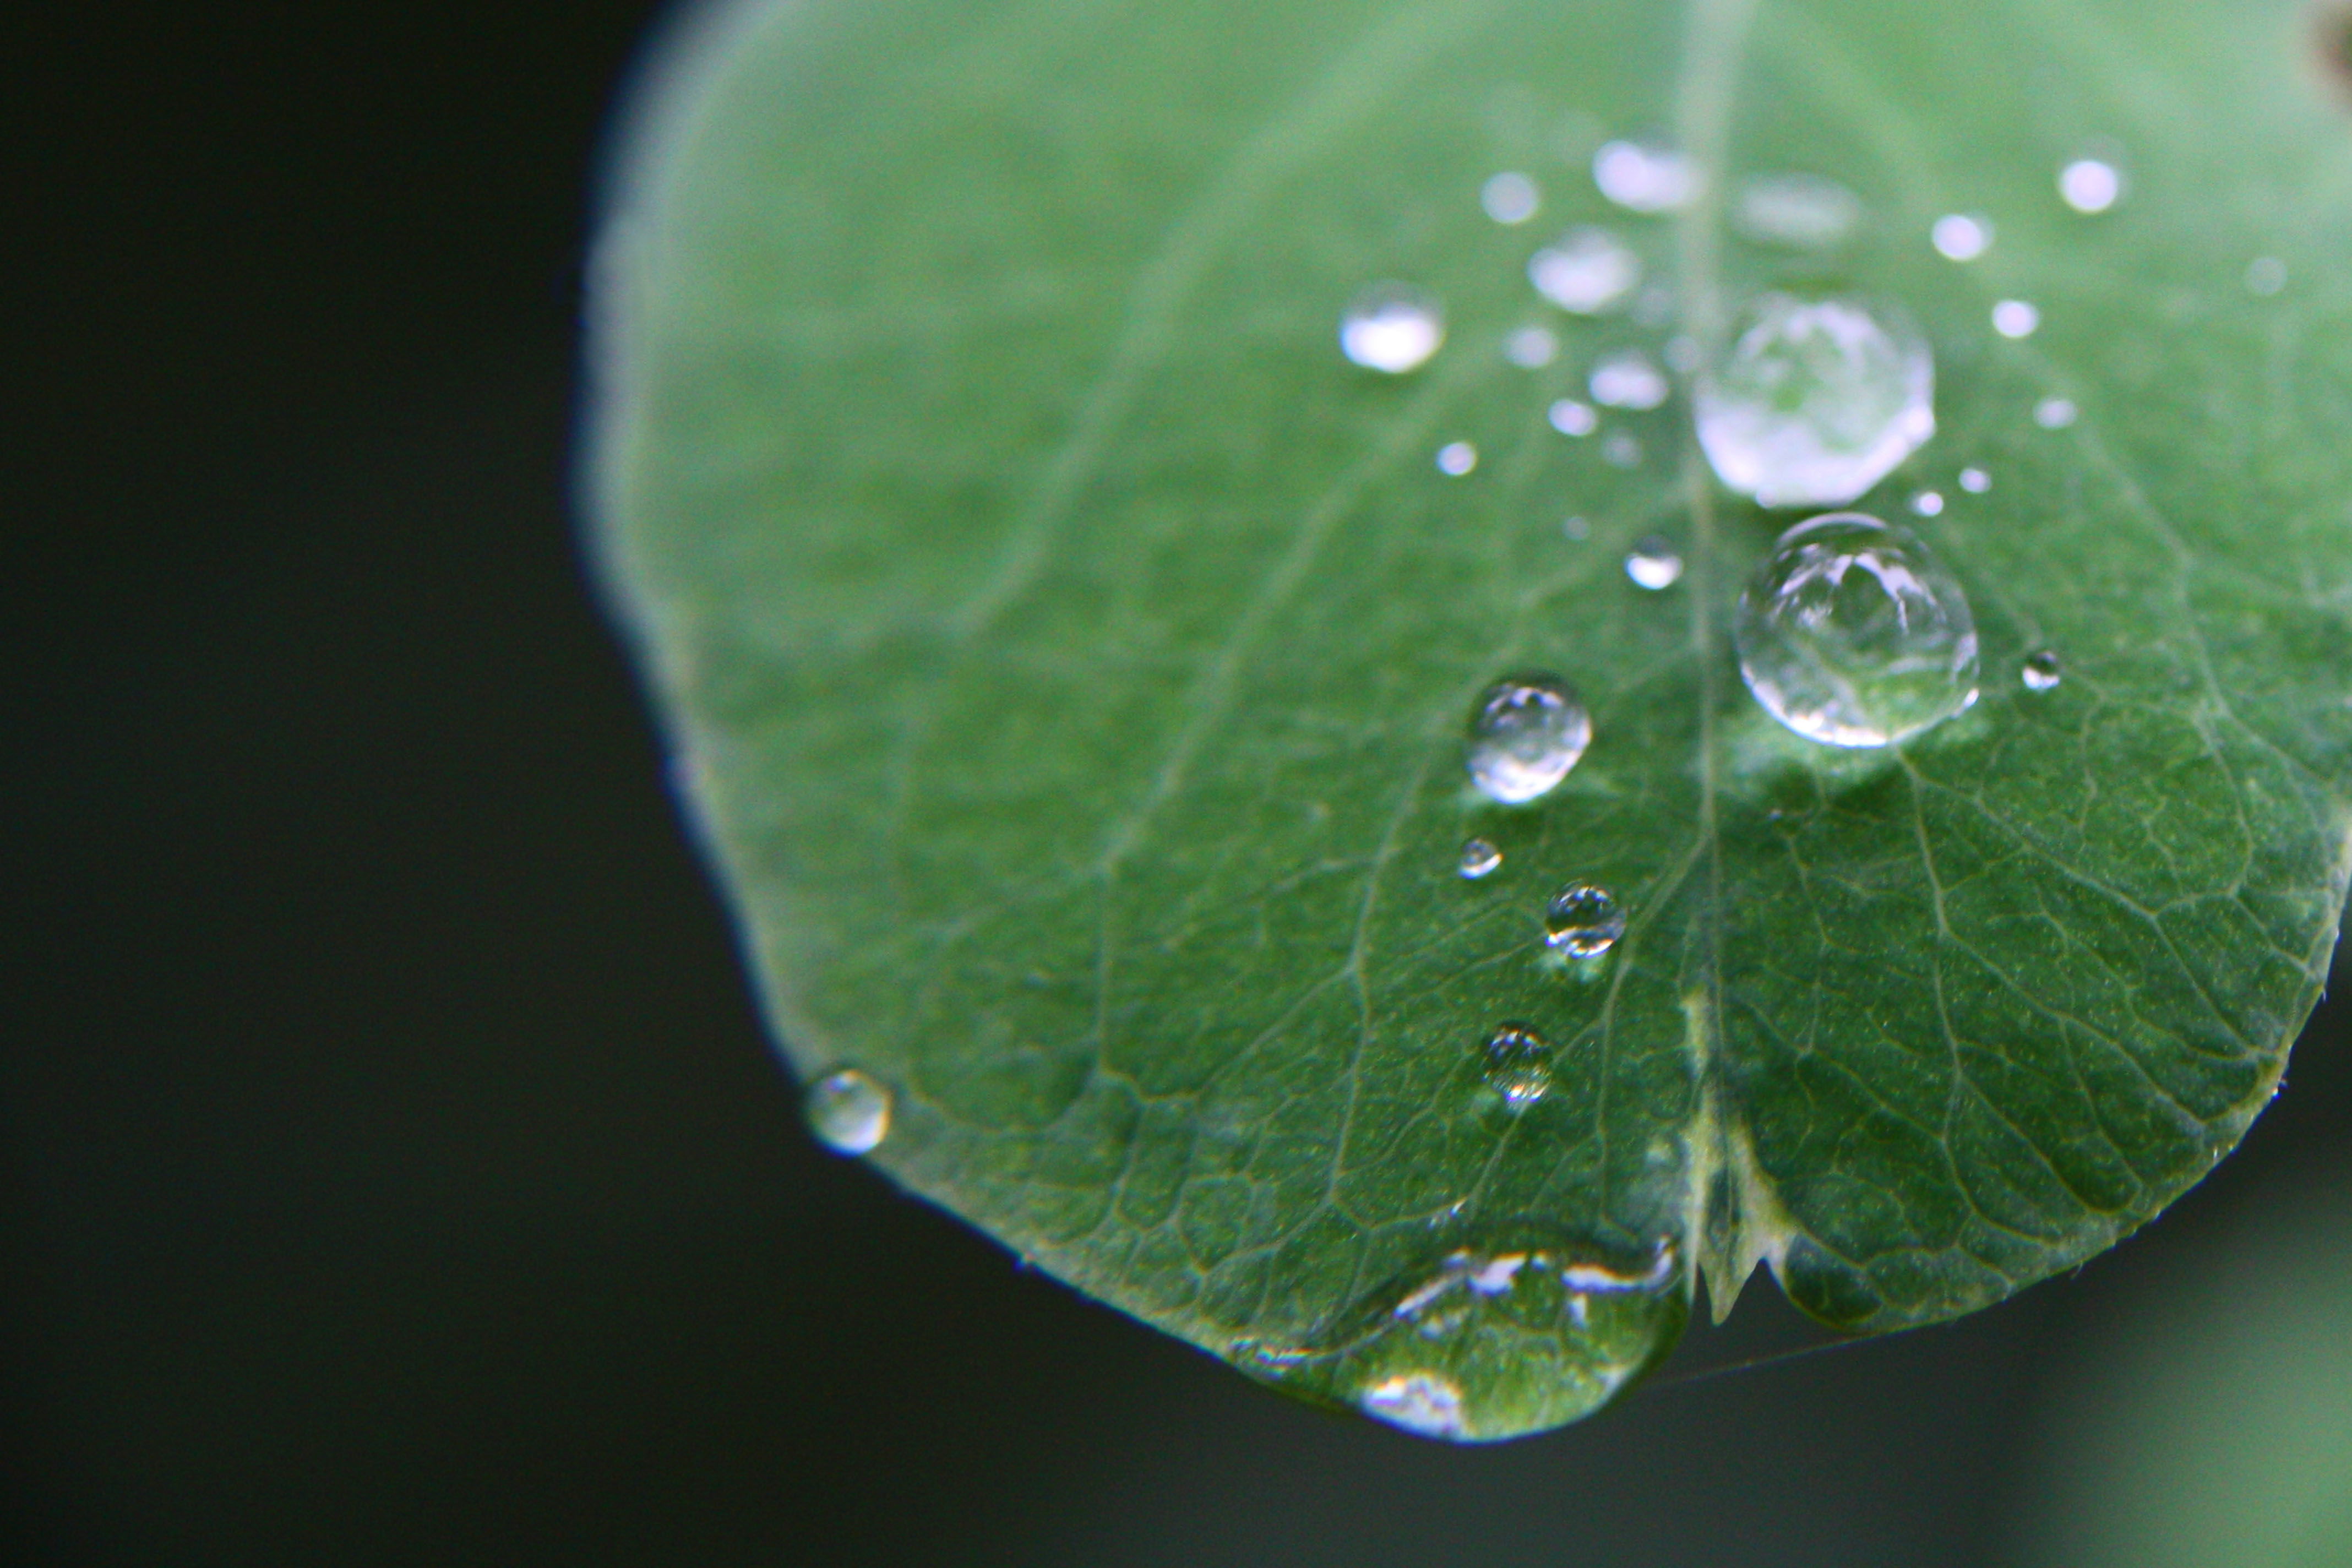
<point x="848" y="1112"/>
<point x="1852" y="634"/>
<point x="1653" y="563"/>
<point x="2090" y="185"/>
<point x="2039" y="671"/>
<point x="1801" y="211"/>
<point x="1962" y="236"/>
<point x="1570" y="417"/>
<point x="1525" y="733"/>
<point x="1583" y="921"/>
<point x="1479" y="859"/>
<point x="1530" y="348"/>
<point x="1575" y="527"/>
<point x="1585" y="272"/>
<point x="1509" y="198"/>
<point x="1621" y="449"/>
<point x="1518" y="1064"/>
<point x="1817" y="400"/>
<point x="2054" y="413"/>
<point x="1393" y="327"/>
<point x="1456" y="459"/>
<point x="1928" y="503"/>
<point x="1644" y="177"/>
<point x="2265" y="276"/>
<point x="2015" y="319"/>
<point x="1976" y="482"/>
<point x="1629" y="379"/>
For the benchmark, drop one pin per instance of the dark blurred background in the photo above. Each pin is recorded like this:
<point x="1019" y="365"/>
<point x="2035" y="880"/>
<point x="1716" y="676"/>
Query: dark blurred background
<point x="395" y="1171"/>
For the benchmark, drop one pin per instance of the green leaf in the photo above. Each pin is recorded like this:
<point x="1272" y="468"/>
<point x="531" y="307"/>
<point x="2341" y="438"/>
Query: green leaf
<point x="1068" y="652"/>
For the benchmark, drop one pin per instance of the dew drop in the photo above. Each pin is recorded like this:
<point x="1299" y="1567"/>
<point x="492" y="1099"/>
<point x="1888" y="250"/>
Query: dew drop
<point x="1479" y="859"/>
<point x="1621" y="449"/>
<point x="1586" y="272"/>
<point x="1653" y="563"/>
<point x="1801" y="211"/>
<point x="1530" y="348"/>
<point x="1517" y="1065"/>
<point x="1928" y="503"/>
<point x="2090" y="185"/>
<point x="2015" y="319"/>
<point x="1456" y="459"/>
<point x="1509" y="198"/>
<point x="1526" y="732"/>
<point x="1629" y="379"/>
<point x="1962" y="236"/>
<point x="2039" y="671"/>
<point x="848" y="1112"/>
<point x="1570" y="417"/>
<point x="2265" y="276"/>
<point x="1583" y="921"/>
<point x="1817" y="400"/>
<point x="1852" y="634"/>
<point x="1576" y="528"/>
<point x="2054" y="413"/>
<point x="1393" y="327"/>
<point x="1976" y="482"/>
<point x="1644" y="177"/>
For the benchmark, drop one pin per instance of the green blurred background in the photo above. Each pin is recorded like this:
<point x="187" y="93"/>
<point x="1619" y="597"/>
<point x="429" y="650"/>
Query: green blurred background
<point x="394" y="1170"/>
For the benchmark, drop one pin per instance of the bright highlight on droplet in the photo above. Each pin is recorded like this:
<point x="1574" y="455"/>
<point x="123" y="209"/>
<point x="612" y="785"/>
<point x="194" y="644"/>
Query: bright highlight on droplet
<point x="1583" y="921"/>
<point x="1479" y="859"/>
<point x="1629" y="379"/>
<point x="1525" y="733"/>
<point x="1928" y="503"/>
<point x="2265" y="276"/>
<point x="2015" y="319"/>
<point x="1509" y="198"/>
<point x="1644" y="177"/>
<point x="1530" y="348"/>
<point x="2040" y="673"/>
<point x="1570" y="417"/>
<point x="2090" y="185"/>
<point x="1976" y="482"/>
<point x="1456" y="459"/>
<point x="1800" y="212"/>
<point x="2055" y="413"/>
<point x="1421" y="1403"/>
<point x="848" y="1112"/>
<point x="1393" y="327"/>
<point x="1585" y="272"/>
<point x="1961" y="237"/>
<point x="1852" y="634"/>
<point x="1653" y="565"/>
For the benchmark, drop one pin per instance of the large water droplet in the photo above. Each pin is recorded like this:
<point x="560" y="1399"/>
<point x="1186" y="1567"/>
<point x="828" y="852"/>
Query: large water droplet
<point x="1587" y="271"/>
<point x="1654" y="563"/>
<point x="1644" y="177"/>
<point x="1518" y="1064"/>
<point x="1479" y="859"/>
<point x="1526" y="1327"/>
<point x="1509" y="198"/>
<point x="1817" y="399"/>
<point x="1629" y="379"/>
<point x="1852" y="634"/>
<point x="2040" y="673"/>
<point x="1962" y="236"/>
<point x="1583" y="921"/>
<point x="1393" y="327"/>
<point x="848" y="1112"/>
<point x="2090" y="185"/>
<point x="1526" y="732"/>
<point x="1803" y="212"/>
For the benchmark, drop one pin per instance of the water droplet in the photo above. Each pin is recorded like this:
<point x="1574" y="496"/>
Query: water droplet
<point x="2054" y="413"/>
<point x="1517" y="1065"/>
<point x="1530" y="348"/>
<point x="1621" y="449"/>
<point x="1852" y="634"/>
<point x="1644" y="177"/>
<point x="1419" y="1402"/>
<point x="1976" y="482"/>
<point x="1586" y="272"/>
<point x="1570" y="417"/>
<point x="848" y="1112"/>
<point x="2265" y="276"/>
<point x="2090" y="185"/>
<point x="1962" y="236"/>
<point x="1479" y="859"/>
<point x="2039" y="671"/>
<point x="2015" y="319"/>
<point x="1928" y="503"/>
<point x="1393" y="327"/>
<point x="1817" y="400"/>
<point x="1583" y="921"/>
<point x="1526" y="732"/>
<point x="1457" y="459"/>
<point x="1629" y="379"/>
<point x="1653" y="565"/>
<point x="1803" y="212"/>
<point x="1575" y="527"/>
<point x="1509" y="198"/>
